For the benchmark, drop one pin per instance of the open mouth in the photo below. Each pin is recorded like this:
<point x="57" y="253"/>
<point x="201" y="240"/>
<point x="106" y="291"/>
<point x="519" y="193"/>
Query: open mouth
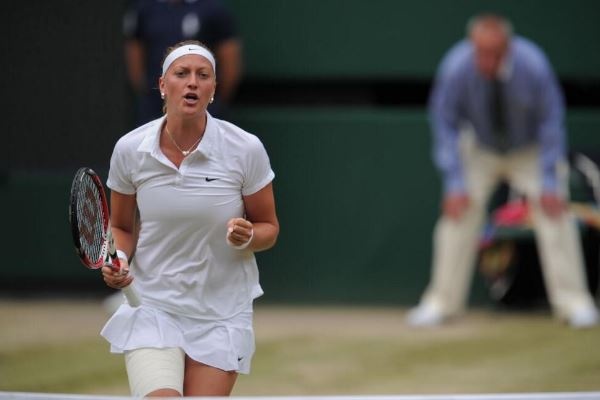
<point x="191" y="97"/>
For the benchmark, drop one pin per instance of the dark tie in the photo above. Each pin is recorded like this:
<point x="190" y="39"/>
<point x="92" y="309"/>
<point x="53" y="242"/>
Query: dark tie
<point x="497" y="113"/>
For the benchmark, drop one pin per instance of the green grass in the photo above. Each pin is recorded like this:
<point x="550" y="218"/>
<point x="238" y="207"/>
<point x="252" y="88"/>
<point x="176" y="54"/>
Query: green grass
<point x="55" y="347"/>
<point x="74" y="367"/>
<point x="480" y="354"/>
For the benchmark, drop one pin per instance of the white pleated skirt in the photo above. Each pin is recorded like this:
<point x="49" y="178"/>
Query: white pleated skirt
<point x="225" y="344"/>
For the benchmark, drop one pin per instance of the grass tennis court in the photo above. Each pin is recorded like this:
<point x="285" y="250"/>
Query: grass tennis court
<point x="53" y="346"/>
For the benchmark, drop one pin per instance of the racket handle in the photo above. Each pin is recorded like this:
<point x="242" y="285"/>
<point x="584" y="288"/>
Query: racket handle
<point x="131" y="295"/>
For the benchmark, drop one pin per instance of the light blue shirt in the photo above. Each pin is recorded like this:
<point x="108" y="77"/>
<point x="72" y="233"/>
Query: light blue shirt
<point x="534" y="109"/>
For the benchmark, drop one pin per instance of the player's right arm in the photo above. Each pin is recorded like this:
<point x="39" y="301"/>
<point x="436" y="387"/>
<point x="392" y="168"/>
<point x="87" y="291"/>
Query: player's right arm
<point x="134" y="63"/>
<point x="123" y="223"/>
<point x="123" y="220"/>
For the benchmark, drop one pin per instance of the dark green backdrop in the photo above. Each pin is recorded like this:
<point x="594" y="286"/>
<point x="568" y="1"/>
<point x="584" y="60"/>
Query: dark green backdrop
<point x="357" y="195"/>
<point x="390" y="38"/>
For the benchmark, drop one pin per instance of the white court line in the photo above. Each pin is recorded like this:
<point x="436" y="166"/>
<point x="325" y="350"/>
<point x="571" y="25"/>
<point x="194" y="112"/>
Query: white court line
<point x="508" y="396"/>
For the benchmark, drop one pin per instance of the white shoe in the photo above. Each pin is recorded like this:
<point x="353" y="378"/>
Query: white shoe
<point x="424" y="316"/>
<point x="584" y="317"/>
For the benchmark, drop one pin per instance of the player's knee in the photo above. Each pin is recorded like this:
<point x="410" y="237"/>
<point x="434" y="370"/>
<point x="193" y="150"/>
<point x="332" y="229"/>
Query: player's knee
<point x="153" y="370"/>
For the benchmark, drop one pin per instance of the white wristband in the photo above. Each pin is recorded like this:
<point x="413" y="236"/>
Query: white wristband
<point x="122" y="255"/>
<point x="243" y="245"/>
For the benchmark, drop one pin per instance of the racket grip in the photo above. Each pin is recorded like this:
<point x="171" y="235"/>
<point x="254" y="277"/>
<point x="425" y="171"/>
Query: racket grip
<point x="131" y="296"/>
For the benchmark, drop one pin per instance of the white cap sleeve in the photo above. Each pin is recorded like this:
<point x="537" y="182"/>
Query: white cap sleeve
<point x="258" y="172"/>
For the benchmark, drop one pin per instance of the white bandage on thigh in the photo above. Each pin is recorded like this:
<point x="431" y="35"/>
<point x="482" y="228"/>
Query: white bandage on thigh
<point x="150" y="369"/>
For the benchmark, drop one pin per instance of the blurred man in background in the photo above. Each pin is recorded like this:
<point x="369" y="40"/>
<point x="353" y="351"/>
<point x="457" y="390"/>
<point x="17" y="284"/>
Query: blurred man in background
<point x="497" y="113"/>
<point x="150" y="26"/>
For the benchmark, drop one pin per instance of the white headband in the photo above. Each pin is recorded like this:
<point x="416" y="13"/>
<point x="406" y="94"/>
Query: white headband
<point x="184" y="51"/>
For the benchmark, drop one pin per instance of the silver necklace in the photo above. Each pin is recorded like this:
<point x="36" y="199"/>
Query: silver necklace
<point x="184" y="152"/>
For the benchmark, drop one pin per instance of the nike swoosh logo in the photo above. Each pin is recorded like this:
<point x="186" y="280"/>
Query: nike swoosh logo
<point x="210" y="179"/>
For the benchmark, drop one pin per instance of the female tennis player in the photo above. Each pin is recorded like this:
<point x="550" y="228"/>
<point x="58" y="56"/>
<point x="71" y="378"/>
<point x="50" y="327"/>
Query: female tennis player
<point x="203" y="188"/>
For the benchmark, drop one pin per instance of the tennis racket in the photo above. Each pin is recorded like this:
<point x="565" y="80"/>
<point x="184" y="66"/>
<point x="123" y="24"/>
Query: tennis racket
<point x="90" y="226"/>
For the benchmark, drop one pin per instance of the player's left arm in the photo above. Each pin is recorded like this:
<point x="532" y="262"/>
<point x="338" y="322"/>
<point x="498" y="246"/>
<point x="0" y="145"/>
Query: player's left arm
<point x="260" y="225"/>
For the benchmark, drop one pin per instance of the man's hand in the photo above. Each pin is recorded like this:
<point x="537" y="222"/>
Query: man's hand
<point x="552" y="205"/>
<point x="455" y="205"/>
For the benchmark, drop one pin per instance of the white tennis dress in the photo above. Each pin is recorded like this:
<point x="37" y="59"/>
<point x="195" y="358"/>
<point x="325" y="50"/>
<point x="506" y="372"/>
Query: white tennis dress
<point x="196" y="291"/>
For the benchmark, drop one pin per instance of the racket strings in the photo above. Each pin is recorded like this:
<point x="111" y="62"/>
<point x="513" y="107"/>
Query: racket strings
<point x="90" y="220"/>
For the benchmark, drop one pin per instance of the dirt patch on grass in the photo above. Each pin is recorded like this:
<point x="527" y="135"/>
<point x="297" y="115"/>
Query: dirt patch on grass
<point x="30" y="322"/>
<point x="37" y="322"/>
<point x="363" y="322"/>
